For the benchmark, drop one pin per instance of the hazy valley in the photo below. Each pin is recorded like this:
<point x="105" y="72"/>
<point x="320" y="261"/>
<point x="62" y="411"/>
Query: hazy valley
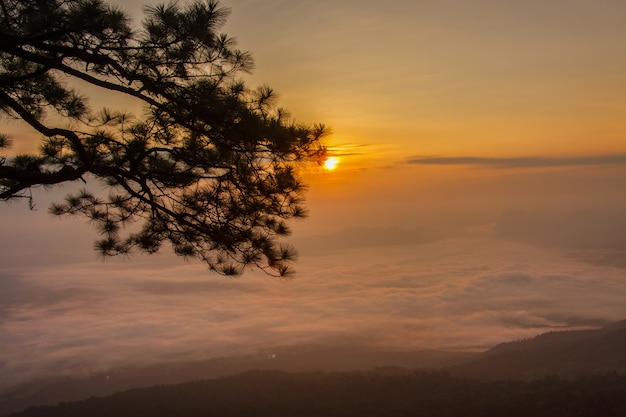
<point x="566" y="356"/>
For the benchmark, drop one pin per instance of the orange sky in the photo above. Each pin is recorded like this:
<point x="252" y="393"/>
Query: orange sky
<point x="451" y="77"/>
<point x="402" y="79"/>
<point x="486" y="77"/>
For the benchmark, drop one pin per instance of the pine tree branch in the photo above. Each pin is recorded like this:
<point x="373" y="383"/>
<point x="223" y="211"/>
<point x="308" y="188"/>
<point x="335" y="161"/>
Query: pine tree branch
<point x="77" y="145"/>
<point x="57" y="63"/>
<point x="6" y="80"/>
<point x="28" y="178"/>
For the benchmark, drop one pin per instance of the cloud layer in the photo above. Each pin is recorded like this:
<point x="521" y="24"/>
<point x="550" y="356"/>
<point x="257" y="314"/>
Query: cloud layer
<point x="451" y="294"/>
<point x="521" y="162"/>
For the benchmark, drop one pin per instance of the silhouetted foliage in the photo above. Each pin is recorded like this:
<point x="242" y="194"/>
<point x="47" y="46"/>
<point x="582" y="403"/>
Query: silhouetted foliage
<point x="362" y="394"/>
<point x="210" y="166"/>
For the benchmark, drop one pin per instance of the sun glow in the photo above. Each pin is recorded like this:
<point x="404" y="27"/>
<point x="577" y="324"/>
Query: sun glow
<point x="331" y="163"/>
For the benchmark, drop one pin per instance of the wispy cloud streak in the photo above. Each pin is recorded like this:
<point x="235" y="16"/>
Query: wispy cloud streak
<point x="521" y="162"/>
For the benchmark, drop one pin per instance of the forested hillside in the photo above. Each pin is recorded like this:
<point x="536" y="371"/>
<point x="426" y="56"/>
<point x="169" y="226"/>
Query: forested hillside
<point x="53" y="390"/>
<point x="384" y="392"/>
<point x="472" y="382"/>
<point x="567" y="353"/>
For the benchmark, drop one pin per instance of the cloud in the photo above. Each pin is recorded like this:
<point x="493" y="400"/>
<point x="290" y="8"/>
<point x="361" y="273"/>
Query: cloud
<point x="449" y="294"/>
<point x="521" y="162"/>
<point x="16" y="292"/>
<point x="602" y="257"/>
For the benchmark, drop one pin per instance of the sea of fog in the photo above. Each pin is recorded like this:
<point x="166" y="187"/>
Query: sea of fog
<point x="85" y="316"/>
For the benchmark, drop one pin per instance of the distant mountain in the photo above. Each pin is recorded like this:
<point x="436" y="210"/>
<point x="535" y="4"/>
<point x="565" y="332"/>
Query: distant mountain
<point x="586" y="229"/>
<point x="566" y="353"/>
<point x="289" y="359"/>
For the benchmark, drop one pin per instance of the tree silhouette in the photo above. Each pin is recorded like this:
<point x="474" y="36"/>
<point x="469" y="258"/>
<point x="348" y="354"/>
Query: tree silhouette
<point x="211" y="166"/>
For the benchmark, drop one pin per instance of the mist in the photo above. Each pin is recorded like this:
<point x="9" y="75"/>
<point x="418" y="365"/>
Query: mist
<point x="463" y="276"/>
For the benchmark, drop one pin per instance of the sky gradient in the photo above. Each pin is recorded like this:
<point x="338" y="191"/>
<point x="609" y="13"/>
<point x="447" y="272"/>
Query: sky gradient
<point x="480" y="195"/>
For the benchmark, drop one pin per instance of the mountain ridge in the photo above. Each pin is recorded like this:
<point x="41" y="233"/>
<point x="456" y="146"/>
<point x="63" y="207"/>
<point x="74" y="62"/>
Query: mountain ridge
<point x="568" y="354"/>
<point x="565" y="353"/>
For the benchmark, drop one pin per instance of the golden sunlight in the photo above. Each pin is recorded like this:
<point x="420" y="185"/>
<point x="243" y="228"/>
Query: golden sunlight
<point x="331" y="163"/>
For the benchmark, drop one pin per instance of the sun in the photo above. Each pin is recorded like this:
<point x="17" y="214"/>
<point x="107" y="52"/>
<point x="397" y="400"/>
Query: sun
<point x="331" y="163"/>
